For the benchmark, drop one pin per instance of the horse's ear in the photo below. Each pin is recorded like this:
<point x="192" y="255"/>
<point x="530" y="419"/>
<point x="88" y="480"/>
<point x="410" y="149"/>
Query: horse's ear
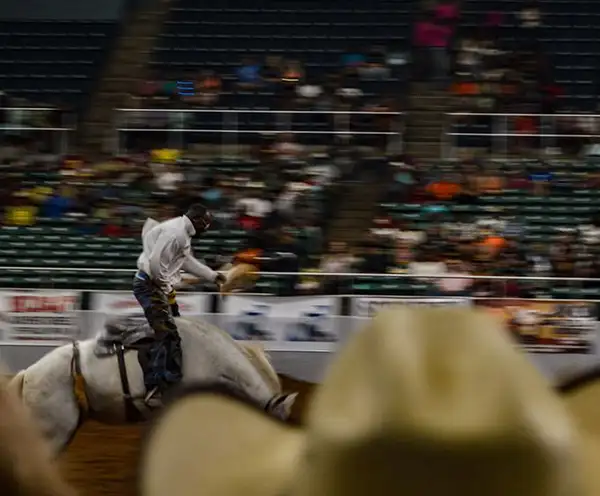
<point x="287" y="404"/>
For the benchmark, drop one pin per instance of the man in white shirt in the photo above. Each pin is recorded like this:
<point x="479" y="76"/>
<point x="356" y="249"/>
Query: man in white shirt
<point x="167" y="250"/>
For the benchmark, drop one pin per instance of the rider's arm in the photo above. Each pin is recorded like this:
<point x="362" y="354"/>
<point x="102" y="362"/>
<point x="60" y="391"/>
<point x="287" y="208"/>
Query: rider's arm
<point x="197" y="268"/>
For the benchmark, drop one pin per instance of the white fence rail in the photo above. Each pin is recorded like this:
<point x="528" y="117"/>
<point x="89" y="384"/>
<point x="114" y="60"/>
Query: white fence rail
<point x="26" y="120"/>
<point x="355" y="275"/>
<point x="179" y="122"/>
<point x="502" y="130"/>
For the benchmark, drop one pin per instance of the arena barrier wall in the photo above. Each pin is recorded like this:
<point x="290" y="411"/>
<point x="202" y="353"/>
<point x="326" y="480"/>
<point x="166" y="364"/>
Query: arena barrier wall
<point x="300" y="332"/>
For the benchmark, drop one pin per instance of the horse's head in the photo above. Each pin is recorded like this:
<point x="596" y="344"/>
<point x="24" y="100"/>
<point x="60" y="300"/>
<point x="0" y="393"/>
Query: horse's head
<point x="281" y="405"/>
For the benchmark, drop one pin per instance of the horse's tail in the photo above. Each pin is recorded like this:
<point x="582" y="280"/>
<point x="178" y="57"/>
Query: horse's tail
<point x="16" y="384"/>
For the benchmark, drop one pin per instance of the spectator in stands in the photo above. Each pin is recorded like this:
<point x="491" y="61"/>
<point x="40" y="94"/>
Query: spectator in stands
<point x="455" y="287"/>
<point x="57" y="205"/>
<point x="272" y="70"/>
<point x="308" y="94"/>
<point x="428" y="263"/>
<point x="469" y="192"/>
<point x="562" y="256"/>
<point x="375" y="66"/>
<point x="541" y="178"/>
<point x="433" y="34"/>
<point x="212" y="194"/>
<point x="404" y="255"/>
<point x="287" y="148"/>
<point x="517" y="178"/>
<point x="249" y="74"/>
<point x="168" y="177"/>
<point x="491" y="181"/>
<point x="253" y="209"/>
<point x="336" y="260"/>
<point x="348" y="91"/>
<point x="115" y="229"/>
<point x="375" y="258"/>
<point x="20" y="213"/>
<point x="208" y="88"/>
<point x="538" y="261"/>
<point x="444" y="189"/>
<point x="292" y="73"/>
<point x="353" y="57"/>
<point x="590" y="233"/>
<point x="402" y="184"/>
<point x="529" y="18"/>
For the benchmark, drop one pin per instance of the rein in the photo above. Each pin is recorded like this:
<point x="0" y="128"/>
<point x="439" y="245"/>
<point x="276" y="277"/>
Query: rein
<point x="79" y="389"/>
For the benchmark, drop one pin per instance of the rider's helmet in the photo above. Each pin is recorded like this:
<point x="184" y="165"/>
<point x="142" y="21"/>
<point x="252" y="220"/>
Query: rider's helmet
<point x="200" y="216"/>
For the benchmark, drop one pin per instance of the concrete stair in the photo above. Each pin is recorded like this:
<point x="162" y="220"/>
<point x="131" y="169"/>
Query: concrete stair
<point x="356" y="209"/>
<point x="128" y="65"/>
<point x="426" y="121"/>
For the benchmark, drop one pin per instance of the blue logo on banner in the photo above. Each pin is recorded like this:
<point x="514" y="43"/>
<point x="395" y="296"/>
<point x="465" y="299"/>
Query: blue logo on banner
<point x="251" y="324"/>
<point x="186" y="88"/>
<point x="311" y="326"/>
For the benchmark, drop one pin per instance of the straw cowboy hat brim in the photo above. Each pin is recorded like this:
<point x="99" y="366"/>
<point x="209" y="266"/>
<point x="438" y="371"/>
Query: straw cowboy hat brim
<point x="581" y="395"/>
<point x="261" y="460"/>
<point x="422" y="402"/>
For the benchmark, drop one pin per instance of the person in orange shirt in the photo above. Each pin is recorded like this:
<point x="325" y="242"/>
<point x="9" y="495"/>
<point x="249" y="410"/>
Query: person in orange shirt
<point x="443" y="189"/>
<point x="493" y="245"/>
<point x="490" y="182"/>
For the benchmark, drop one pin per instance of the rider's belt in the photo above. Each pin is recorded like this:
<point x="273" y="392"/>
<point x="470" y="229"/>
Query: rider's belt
<point x="140" y="274"/>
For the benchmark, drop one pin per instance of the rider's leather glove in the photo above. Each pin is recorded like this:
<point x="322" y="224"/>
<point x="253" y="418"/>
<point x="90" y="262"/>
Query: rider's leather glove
<point x="220" y="279"/>
<point x="173" y="304"/>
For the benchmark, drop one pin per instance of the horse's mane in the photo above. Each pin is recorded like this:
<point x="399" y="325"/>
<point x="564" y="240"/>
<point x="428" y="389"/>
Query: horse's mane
<point x="255" y="354"/>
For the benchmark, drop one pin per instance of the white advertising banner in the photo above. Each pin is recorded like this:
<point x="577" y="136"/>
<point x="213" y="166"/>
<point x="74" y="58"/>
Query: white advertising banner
<point x="368" y="307"/>
<point x="108" y="305"/>
<point x="39" y="316"/>
<point x="283" y="323"/>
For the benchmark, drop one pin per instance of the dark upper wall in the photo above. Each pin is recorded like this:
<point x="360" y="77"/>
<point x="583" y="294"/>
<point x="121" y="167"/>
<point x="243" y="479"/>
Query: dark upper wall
<point x="61" y="9"/>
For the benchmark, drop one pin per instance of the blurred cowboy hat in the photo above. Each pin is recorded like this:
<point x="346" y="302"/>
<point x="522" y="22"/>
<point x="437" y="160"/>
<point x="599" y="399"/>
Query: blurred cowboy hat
<point x="581" y="395"/>
<point x="27" y="465"/>
<point x="424" y="401"/>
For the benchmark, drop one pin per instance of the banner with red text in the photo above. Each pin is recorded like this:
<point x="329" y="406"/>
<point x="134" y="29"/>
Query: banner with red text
<point x="107" y="305"/>
<point x="39" y="316"/>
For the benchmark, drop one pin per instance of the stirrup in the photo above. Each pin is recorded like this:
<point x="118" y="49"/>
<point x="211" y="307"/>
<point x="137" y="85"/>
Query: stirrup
<point x="153" y="398"/>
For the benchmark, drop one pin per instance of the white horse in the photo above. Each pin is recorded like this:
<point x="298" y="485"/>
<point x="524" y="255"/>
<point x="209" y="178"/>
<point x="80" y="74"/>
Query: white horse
<point x="71" y="383"/>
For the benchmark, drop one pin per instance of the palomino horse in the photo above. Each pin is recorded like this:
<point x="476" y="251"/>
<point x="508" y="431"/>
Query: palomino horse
<point x="85" y="380"/>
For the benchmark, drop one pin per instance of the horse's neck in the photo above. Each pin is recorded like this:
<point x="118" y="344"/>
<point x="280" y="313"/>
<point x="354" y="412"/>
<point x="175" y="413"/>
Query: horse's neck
<point x="191" y="328"/>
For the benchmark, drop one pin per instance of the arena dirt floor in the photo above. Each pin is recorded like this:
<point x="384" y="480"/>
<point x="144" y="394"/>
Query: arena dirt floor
<point x="102" y="459"/>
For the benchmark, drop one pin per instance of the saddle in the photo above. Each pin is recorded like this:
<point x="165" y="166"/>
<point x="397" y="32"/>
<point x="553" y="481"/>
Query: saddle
<point x="122" y="332"/>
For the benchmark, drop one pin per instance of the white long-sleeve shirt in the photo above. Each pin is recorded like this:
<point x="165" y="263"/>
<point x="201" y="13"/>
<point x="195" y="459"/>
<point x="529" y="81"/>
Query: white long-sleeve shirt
<point x="167" y="250"/>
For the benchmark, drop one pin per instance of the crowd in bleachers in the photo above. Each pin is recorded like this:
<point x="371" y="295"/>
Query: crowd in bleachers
<point x="280" y="204"/>
<point x="282" y="83"/>
<point x="486" y="217"/>
<point x="366" y="79"/>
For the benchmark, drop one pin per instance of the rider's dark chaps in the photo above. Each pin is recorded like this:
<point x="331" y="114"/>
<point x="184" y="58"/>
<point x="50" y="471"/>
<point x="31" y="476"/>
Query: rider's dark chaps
<point x="162" y="359"/>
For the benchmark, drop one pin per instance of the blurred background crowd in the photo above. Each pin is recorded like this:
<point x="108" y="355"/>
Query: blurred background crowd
<point x="314" y="184"/>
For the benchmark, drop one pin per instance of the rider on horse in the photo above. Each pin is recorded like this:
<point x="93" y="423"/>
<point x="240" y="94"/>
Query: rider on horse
<point x="167" y="250"/>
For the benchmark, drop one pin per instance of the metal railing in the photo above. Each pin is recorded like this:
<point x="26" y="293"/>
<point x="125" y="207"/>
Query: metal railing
<point x="502" y="130"/>
<point x="348" y="280"/>
<point x="179" y="124"/>
<point x="49" y="120"/>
